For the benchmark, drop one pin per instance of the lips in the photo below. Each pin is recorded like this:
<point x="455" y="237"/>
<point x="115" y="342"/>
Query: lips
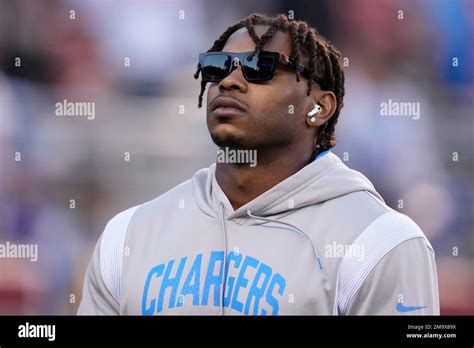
<point x="226" y="105"/>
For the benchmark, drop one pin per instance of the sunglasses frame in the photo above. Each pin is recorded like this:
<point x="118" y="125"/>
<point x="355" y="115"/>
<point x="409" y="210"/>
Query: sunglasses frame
<point x="279" y="58"/>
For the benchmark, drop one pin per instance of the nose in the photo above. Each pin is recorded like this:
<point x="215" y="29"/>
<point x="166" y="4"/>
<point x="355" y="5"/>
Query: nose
<point x="234" y="81"/>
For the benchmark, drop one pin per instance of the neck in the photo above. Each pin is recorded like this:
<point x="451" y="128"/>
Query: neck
<point x="242" y="183"/>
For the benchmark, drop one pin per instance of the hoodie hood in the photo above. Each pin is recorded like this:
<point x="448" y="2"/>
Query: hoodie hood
<point x="323" y="179"/>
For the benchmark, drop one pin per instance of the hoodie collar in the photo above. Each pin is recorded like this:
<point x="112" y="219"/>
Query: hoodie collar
<point x="325" y="178"/>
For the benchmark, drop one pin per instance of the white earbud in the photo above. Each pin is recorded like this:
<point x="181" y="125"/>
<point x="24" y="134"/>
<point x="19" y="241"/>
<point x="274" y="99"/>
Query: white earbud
<point x="315" y="110"/>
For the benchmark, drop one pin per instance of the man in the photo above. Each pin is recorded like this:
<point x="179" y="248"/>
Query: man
<point x="295" y="232"/>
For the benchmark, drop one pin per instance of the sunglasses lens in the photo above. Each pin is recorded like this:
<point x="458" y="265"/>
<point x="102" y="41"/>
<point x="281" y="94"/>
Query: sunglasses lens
<point x="260" y="68"/>
<point x="215" y="67"/>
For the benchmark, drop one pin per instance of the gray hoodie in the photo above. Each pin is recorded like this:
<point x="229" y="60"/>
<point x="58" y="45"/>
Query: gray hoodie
<point x="320" y="242"/>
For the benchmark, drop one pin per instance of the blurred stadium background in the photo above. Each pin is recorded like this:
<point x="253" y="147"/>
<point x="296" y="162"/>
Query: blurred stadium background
<point x="138" y="111"/>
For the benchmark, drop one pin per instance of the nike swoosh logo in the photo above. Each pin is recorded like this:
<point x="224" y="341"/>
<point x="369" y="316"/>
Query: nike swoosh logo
<point x="402" y="308"/>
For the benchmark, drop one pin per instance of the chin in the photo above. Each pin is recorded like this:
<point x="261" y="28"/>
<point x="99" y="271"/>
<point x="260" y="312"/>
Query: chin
<point x="225" y="138"/>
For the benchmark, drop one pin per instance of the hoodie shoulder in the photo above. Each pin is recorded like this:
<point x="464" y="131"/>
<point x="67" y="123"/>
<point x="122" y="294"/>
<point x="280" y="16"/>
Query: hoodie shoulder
<point x="174" y="195"/>
<point x="101" y="291"/>
<point x="111" y="249"/>
<point x="111" y="244"/>
<point x="378" y="239"/>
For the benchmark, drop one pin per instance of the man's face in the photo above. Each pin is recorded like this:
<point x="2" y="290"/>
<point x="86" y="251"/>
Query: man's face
<point x="274" y="110"/>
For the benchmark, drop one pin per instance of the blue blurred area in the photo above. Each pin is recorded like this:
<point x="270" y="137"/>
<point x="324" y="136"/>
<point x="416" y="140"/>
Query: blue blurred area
<point x="135" y="61"/>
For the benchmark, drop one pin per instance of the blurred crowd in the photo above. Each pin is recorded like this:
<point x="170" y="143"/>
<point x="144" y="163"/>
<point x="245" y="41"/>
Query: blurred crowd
<point x="62" y="179"/>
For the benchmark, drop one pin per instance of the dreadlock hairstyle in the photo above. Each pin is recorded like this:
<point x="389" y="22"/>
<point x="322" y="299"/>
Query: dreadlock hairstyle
<point x="324" y="61"/>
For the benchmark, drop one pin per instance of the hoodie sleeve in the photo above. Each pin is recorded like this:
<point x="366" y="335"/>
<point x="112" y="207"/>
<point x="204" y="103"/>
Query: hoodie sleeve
<point x="404" y="282"/>
<point x="397" y="274"/>
<point x="96" y="297"/>
<point x="101" y="292"/>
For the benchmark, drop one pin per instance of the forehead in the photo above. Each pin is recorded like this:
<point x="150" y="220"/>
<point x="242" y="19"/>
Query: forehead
<point x="241" y="41"/>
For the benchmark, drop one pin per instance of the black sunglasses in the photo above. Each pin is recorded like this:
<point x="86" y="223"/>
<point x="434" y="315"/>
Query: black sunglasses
<point x="216" y="66"/>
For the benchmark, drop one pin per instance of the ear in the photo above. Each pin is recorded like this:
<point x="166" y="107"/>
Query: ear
<point x="328" y="103"/>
